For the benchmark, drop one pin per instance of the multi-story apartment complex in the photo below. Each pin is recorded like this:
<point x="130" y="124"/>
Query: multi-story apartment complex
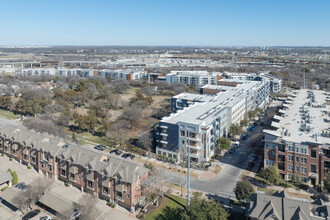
<point x="110" y="178"/>
<point x="197" y="120"/>
<point x="195" y="78"/>
<point x="38" y="72"/>
<point x="275" y="82"/>
<point x="299" y="144"/>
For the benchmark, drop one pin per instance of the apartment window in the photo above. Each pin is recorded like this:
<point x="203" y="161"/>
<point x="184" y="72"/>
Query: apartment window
<point x="267" y="162"/>
<point x="267" y="153"/>
<point x="302" y="150"/>
<point x="303" y="160"/>
<point x="290" y="158"/>
<point x="273" y="153"/>
<point x="290" y="167"/>
<point x="313" y="168"/>
<point x="164" y="154"/>
<point x="127" y="195"/>
<point x="297" y="168"/>
<point x="105" y="190"/>
<point x="297" y="159"/>
<point x="90" y="184"/>
<point x="301" y="169"/>
<point x="33" y="159"/>
<point x="305" y="151"/>
<point x="182" y="141"/>
<point x="159" y="153"/>
<point x="63" y="172"/>
<point x="313" y="153"/>
<point x="289" y="176"/>
<point x="50" y="167"/>
<point x="42" y="164"/>
<point x="291" y="148"/>
<point x="71" y="176"/>
<point x="25" y="157"/>
<point x="297" y="149"/>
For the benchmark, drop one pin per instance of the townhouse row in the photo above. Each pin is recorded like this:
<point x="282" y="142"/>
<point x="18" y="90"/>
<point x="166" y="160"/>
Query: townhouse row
<point x="198" y="120"/>
<point x="110" y="178"/>
<point x="299" y="141"/>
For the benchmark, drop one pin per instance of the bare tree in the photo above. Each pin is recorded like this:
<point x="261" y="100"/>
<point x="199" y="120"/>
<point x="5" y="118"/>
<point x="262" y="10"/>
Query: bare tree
<point x="145" y="141"/>
<point x="33" y="193"/>
<point x="87" y="206"/>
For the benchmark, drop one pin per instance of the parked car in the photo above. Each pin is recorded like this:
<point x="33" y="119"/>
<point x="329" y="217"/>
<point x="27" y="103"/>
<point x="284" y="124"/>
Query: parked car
<point x="251" y="164"/>
<point x="100" y="147"/>
<point x="250" y="128"/>
<point x="113" y="151"/>
<point x="45" y="218"/>
<point x="243" y="137"/>
<point x="132" y="156"/>
<point x="21" y="186"/>
<point x="1" y="199"/>
<point x="118" y="152"/>
<point x="232" y="150"/>
<point x="76" y="213"/>
<point x="31" y="214"/>
<point x="126" y="155"/>
<point x="255" y="123"/>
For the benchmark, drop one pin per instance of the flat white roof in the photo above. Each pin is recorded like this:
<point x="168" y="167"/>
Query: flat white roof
<point x="291" y="122"/>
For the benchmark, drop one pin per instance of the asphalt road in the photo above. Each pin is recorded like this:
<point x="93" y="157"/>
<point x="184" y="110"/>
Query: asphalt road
<point x="232" y="167"/>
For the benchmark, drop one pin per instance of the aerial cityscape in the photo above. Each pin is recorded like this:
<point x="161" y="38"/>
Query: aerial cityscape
<point x="166" y="110"/>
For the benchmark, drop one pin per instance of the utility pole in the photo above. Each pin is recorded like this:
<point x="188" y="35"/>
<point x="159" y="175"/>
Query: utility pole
<point x="304" y="76"/>
<point x="188" y="180"/>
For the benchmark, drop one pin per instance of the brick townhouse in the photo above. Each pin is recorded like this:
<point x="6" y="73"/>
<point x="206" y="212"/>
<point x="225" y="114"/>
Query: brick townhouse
<point x="111" y="178"/>
<point x="299" y="143"/>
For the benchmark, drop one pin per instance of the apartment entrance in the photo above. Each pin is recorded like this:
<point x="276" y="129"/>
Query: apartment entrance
<point x="313" y="181"/>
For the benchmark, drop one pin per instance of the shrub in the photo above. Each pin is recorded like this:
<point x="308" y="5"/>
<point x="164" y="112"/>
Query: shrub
<point x="67" y="184"/>
<point x="11" y="159"/>
<point x="271" y="174"/>
<point x="29" y="167"/>
<point x="15" y="178"/>
<point x="243" y="190"/>
<point x="111" y="204"/>
<point x="4" y="188"/>
<point x="141" y="216"/>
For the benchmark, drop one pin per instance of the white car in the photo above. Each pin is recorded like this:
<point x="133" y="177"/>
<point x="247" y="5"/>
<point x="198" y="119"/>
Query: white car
<point x="45" y="218"/>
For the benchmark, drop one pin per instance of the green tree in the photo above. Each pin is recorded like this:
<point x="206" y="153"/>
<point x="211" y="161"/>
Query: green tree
<point x="243" y="190"/>
<point x="244" y="123"/>
<point x="271" y="174"/>
<point x="251" y="114"/>
<point x="199" y="208"/>
<point x="204" y="209"/>
<point x="15" y="178"/>
<point x="235" y="130"/>
<point x="327" y="182"/>
<point x="223" y="143"/>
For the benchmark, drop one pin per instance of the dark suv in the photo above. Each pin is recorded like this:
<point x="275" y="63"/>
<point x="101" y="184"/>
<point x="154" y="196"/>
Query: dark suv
<point x="100" y="147"/>
<point x="31" y="214"/>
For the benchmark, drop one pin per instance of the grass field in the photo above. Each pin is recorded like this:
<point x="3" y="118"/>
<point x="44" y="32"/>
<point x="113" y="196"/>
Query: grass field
<point x="169" y="200"/>
<point x="7" y="114"/>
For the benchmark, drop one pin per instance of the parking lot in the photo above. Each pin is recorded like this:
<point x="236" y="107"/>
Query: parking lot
<point x="70" y="193"/>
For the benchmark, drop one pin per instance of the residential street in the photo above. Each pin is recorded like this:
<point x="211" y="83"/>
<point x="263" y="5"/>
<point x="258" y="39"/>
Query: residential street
<point x="232" y="167"/>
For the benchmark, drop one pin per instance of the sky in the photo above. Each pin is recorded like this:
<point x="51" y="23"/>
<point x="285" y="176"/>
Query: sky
<point x="165" y="22"/>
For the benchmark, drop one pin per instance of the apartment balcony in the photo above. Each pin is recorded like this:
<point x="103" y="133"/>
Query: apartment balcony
<point x="163" y="134"/>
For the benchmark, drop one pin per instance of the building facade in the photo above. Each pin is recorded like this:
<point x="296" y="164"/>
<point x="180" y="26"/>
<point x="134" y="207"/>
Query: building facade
<point x="198" y="120"/>
<point x="299" y="143"/>
<point x="195" y="78"/>
<point x="111" y="178"/>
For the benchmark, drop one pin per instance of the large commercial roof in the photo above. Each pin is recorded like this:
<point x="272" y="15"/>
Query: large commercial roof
<point x="304" y="120"/>
<point x="202" y="113"/>
<point x="10" y="194"/>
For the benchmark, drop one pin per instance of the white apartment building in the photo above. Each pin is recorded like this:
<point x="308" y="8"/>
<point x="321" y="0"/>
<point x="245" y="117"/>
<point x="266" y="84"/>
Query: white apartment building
<point x="275" y="82"/>
<point x="38" y="72"/>
<point x="199" y="120"/>
<point x="195" y="78"/>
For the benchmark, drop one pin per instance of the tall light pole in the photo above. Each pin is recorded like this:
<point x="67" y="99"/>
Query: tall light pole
<point x="188" y="178"/>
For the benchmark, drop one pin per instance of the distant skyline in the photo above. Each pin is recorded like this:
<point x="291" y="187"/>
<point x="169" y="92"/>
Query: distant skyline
<point x="166" y="23"/>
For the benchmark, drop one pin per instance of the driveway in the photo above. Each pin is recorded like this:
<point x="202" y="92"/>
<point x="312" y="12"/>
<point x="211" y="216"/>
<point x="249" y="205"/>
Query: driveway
<point x="232" y="167"/>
